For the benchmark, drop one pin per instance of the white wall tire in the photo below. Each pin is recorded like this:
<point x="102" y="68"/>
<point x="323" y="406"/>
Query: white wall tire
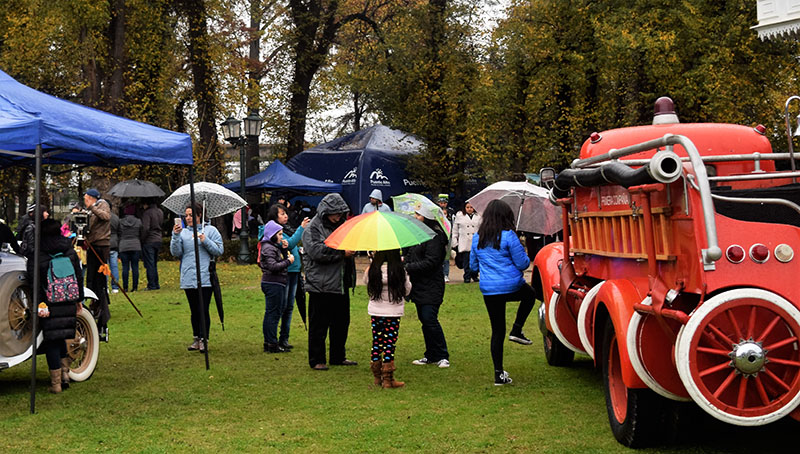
<point x="551" y="314"/>
<point x="583" y="312"/>
<point x="84" y="349"/>
<point x="741" y="315"/>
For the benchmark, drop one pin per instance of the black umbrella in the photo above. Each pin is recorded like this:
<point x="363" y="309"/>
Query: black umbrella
<point x="212" y="272"/>
<point x="135" y="188"/>
<point x="300" y="299"/>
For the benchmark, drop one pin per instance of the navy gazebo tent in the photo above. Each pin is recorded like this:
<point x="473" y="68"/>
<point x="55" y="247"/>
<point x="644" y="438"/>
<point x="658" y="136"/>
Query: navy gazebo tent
<point x="36" y="129"/>
<point x="278" y="176"/>
<point x="372" y="158"/>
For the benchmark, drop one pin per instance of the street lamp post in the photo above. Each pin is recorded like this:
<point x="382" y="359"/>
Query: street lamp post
<point x="231" y="132"/>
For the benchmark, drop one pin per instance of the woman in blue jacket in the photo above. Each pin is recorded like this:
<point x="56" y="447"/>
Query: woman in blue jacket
<point x="499" y="256"/>
<point x="182" y="246"/>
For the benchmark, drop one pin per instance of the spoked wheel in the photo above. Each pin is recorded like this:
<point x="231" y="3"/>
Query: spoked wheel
<point x="634" y="414"/>
<point x="739" y="357"/>
<point x="15" y="313"/>
<point x="84" y="348"/>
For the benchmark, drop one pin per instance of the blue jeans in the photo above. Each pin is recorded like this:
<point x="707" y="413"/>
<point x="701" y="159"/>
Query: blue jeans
<point x="288" y="308"/>
<point x="435" y="343"/>
<point x="446" y="264"/>
<point x="130" y="262"/>
<point x="150" y="259"/>
<point x="113" y="256"/>
<point x="274" y="295"/>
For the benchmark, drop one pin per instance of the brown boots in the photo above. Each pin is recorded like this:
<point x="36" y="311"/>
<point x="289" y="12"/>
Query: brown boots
<point x="376" y="371"/>
<point x="55" y="381"/>
<point x="387" y="376"/>
<point x="65" y="362"/>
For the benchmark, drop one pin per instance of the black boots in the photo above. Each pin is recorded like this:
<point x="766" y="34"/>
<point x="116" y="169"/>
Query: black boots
<point x="274" y="348"/>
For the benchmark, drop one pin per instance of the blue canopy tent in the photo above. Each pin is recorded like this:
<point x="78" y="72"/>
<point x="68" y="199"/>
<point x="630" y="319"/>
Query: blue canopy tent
<point x="373" y="158"/>
<point x="37" y="129"/>
<point x="278" y="176"/>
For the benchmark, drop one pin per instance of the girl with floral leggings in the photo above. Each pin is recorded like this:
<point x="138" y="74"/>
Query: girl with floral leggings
<point x="387" y="286"/>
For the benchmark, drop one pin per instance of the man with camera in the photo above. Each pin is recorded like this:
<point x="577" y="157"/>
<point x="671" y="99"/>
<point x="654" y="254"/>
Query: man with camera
<point x="98" y="242"/>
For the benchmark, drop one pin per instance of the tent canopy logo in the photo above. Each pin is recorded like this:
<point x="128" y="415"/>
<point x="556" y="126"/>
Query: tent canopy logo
<point x="351" y="176"/>
<point x="377" y="178"/>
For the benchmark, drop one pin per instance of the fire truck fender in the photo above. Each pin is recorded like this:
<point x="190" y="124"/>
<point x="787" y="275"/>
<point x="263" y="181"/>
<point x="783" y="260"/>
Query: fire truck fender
<point x="545" y="271"/>
<point x="614" y="302"/>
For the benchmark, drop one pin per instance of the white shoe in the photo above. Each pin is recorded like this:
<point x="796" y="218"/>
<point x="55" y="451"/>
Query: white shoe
<point x="420" y="362"/>
<point x="443" y="363"/>
<point x="446" y="279"/>
<point x="114" y="290"/>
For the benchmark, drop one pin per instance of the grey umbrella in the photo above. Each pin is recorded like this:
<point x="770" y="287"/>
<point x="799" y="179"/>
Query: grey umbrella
<point x="135" y="188"/>
<point x="216" y="200"/>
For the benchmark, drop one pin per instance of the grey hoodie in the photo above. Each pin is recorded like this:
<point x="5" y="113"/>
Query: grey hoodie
<point x="324" y="266"/>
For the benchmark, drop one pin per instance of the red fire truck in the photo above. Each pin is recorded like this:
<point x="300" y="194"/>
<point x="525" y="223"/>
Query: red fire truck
<point x="676" y="274"/>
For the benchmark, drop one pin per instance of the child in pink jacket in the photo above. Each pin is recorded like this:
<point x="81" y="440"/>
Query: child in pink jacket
<point x="387" y="287"/>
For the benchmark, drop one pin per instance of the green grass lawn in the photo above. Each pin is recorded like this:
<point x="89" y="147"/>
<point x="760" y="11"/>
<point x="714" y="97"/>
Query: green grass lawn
<point x="149" y="394"/>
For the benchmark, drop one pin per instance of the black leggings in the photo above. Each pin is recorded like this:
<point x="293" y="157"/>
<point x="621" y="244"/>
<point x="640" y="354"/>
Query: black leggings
<point x="496" y="307"/>
<point x="54" y="350"/>
<point x="195" y="306"/>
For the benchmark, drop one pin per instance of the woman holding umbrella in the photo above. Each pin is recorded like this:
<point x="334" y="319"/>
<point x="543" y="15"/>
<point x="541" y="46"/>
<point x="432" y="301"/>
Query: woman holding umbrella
<point x="499" y="256"/>
<point x="182" y="246"/>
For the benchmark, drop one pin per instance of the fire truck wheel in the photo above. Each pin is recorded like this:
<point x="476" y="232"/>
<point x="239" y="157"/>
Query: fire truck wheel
<point x="634" y="414"/>
<point x="557" y="354"/>
<point x="84" y="349"/>
<point x="15" y="320"/>
<point x="739" y="356"/>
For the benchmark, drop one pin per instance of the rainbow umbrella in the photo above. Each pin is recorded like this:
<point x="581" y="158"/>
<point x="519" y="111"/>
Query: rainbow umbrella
<point x="379" y="231"/>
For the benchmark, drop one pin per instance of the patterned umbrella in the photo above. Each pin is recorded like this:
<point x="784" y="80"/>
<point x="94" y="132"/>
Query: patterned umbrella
<point x="379" y="231"/>
<point x="410" y="202"/>
<point x="216" y="200"/>
<point x="135" y="188"/>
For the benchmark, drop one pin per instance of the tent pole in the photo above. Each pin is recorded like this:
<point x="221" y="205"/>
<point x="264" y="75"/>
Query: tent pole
<point x="197" y="265"/>
<point x="34" y="314"/>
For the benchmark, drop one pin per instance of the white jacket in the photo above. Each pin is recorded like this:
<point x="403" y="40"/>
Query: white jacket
<point x="383" y="307"/>
<point x="464" y="227"/>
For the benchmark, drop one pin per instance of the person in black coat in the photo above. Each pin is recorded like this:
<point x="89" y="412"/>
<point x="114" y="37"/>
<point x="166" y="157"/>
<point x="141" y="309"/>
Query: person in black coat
<point x="60" y="324"/>
<point x="424" y="266"/>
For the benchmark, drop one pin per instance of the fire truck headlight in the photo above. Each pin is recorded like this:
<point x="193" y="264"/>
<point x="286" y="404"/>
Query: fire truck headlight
<point x="759" y="253"/>
<point x="784" y="253"/>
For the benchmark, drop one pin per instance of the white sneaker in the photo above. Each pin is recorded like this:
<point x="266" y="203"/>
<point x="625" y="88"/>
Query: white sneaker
<point x="114" y="290"/>
<point x="420" y="362"/>
<point x="447" y="279"/>
<point x="443" y="363"/>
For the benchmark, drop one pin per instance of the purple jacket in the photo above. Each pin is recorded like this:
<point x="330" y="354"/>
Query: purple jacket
<point x="274" y="263"/>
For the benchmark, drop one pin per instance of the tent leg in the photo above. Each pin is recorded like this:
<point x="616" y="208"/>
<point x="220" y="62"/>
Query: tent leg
<point x="197" y="265"/>
<point x="36" y="245"/>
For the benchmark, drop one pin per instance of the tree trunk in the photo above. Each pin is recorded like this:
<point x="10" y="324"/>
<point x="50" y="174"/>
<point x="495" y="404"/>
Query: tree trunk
<point x="91" y="94"/>
<point x="252" y="157"/>
<point x="204" y="88"/>
<point x="116" y="40"/>
<point x="437" y="127"/>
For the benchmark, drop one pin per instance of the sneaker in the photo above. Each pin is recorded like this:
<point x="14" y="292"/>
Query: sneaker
<point x="447" y="279"/>
<point x="519" y="338"/>
<point x="420" y="362"/>
<point x="103" y="332"/>
<point x="195" y="345"/>
<point x="203" y="345"/>
<point x="114" y="290"/>
<point x="443" y="363"/>
<point x="501" y="378"/>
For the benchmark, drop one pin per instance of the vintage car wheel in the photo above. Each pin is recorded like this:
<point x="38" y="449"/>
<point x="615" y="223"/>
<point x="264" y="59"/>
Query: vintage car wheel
<point x="84" y="348"/>
<point x="556" y="353"/>
<point x="585" y="322"/>
<point x="15" y="316"/>
<point x="739" y="356"/>
<point x="552" y="309"/>
<point x="634" y="414"/>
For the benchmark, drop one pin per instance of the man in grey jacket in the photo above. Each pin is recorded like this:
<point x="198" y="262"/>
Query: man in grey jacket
<point x="152" y="218"/>
<point x="329" y="274"/>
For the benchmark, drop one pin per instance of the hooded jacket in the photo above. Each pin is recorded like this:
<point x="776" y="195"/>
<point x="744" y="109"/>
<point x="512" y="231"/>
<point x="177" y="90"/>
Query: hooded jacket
<point x="424" y="266"/>
<point x="130" y="234"/>
<point x="325" y="267"/>
<point x="274" y="261"/>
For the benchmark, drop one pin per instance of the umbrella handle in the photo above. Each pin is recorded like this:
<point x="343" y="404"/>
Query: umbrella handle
<point x="203" y="218"/>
